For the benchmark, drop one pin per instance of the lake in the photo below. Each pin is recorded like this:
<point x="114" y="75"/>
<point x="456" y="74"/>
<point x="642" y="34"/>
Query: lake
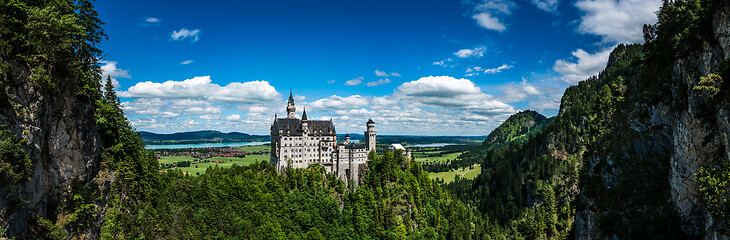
<point x="205" y="145"/>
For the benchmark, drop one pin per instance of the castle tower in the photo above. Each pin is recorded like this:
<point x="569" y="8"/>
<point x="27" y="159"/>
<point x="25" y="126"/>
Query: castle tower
<point x="290" y="108"/>
<point x="305" y="123"/>
<point x="370" y="136"/>
<point x="347" y="139"/>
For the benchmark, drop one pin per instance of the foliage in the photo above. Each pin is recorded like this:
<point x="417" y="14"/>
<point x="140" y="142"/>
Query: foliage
<point x="395" y="199"/>
<point x="709" y="85"/>
<point x="15" y="166"/>
<point x="714" y="187"/>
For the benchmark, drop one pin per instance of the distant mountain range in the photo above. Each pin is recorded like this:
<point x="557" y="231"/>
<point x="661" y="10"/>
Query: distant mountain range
<point x="208" y="136"/>
<point x="204" y="136"/>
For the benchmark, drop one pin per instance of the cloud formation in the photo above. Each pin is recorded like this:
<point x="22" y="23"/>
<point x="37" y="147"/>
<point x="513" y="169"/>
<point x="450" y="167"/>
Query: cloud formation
<point x="355" y="81"/>
<point x="152" y="20"/>
<point x="201" y="87"/>
<point x="186" y="62"/>
<point x="550" y="6"/>
<point x="109" y="70"/>
<point x="379" y="82"/>
<point x="518" y="92"/>
<point x="185" y="33"/>
<point x="380" y="73"/>
<point x="617" y="21"/>
<point x="451" y="93"/>
<point x="489" y="12"/>
<point x="587" y="65"/>
<point x="466" y="53"/>
<point x="497" y="69"/>
<point x="335" y="102"/>
<point x="486" y="20"/>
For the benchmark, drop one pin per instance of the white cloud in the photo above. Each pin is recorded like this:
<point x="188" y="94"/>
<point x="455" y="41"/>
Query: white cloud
<point x="185" y="33"/>
<point x="355" y="81"/>
<point x="451" y="93"/>
<point x="395" y="74"/>
<point x="209" y="117"/>
<point x="550" y="6"/>
<point x="518" y="93"/>
<point x="473" y="71"/>
<point x="335" y="102"/>
<point x="497" y="69"/>
<point x="203" y="110"/>
<point x="257" y="109"/>
<point x="331" y="81"/>
<point x="109" y="69"/>
<point x="587" y="65"/>
<point x="201" y="87"/>
<point x="487" y="21"/>
<point x="465" y="53"/>
<point x="246" y="92"/>
<point x="232" y="118"/>
<point x="439" y="63"/>
<point x="379" y="82"/>
<point x="617" y="20"/>
<point x="380" y="73"/>
<point x="488" y="13"/>
<point x="544" y="103"/>
<point x="186" y="62"/>
<point x="167" y="114"/>
<point x="152" y="20"/>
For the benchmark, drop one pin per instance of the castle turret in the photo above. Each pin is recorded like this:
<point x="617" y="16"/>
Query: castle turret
<point x="370" y="136"/>
<point x="290" y="108"/>
<point x="347" y="139"/>
<point x="305" y="123"/>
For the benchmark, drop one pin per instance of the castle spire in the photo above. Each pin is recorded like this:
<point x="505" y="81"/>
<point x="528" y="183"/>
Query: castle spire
<point x="290" y="107"/>
<point x="304" y="115"/>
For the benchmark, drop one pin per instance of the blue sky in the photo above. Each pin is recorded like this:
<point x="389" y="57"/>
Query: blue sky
<point x="414" y="67"/>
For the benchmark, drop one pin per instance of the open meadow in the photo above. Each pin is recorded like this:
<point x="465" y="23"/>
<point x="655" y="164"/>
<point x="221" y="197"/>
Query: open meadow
<point x="467" y="173"/>
<point x="198" y="167"/>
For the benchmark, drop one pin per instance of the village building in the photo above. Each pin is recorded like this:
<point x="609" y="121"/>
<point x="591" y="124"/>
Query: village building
<point x="298" y="143"/>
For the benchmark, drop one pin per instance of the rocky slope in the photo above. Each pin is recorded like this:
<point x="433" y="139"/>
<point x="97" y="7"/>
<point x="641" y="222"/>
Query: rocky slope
<point x="48" y="83"/>
<point x="62" y="144"/>
<point x="673" y="139"/>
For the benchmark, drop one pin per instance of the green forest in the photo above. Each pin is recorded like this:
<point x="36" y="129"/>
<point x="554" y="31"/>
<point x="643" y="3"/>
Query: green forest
<point x="534" y="170"/>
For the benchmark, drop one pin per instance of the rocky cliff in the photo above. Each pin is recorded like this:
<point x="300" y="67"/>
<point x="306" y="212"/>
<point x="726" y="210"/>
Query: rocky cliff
<point x="669" y="141"/>
<point x="48" y="90"/>
<point x="62" y="144"/>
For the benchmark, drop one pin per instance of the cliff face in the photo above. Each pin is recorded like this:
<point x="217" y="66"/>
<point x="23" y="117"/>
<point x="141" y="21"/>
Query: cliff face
<point x="678" y="138"/>
<point x="62" y="143"/>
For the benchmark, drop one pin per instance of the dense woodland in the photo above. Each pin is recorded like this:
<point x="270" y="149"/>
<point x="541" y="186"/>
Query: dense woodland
<point x="528" y="187"/>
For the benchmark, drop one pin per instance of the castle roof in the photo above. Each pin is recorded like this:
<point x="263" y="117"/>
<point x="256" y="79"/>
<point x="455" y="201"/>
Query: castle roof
<point x="293" y="127"/>
<point x="304" y="115"/>
<point x="291" y="98"/>
<point x="370" y="121"/>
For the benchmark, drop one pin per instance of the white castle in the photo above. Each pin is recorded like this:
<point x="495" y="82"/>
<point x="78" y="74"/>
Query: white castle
<point x="299" y="143"/>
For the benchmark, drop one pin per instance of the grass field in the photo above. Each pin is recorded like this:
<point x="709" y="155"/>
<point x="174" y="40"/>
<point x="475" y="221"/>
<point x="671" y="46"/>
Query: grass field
<point x="199" y="168"/>
<point x="464" y="172"/>
<point x="258" y="148"/>
<point x="163" y="160"/>
<point x="442" y="158"/>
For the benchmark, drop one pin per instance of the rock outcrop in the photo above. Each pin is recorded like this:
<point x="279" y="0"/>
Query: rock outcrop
<point x="62" y="143"/>
<point x="691" y="133"/>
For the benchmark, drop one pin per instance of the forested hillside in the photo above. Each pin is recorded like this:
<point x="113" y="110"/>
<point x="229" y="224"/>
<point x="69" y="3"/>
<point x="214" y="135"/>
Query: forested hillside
<point x="200" y="137"/>
<point x="638" y="152"/>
